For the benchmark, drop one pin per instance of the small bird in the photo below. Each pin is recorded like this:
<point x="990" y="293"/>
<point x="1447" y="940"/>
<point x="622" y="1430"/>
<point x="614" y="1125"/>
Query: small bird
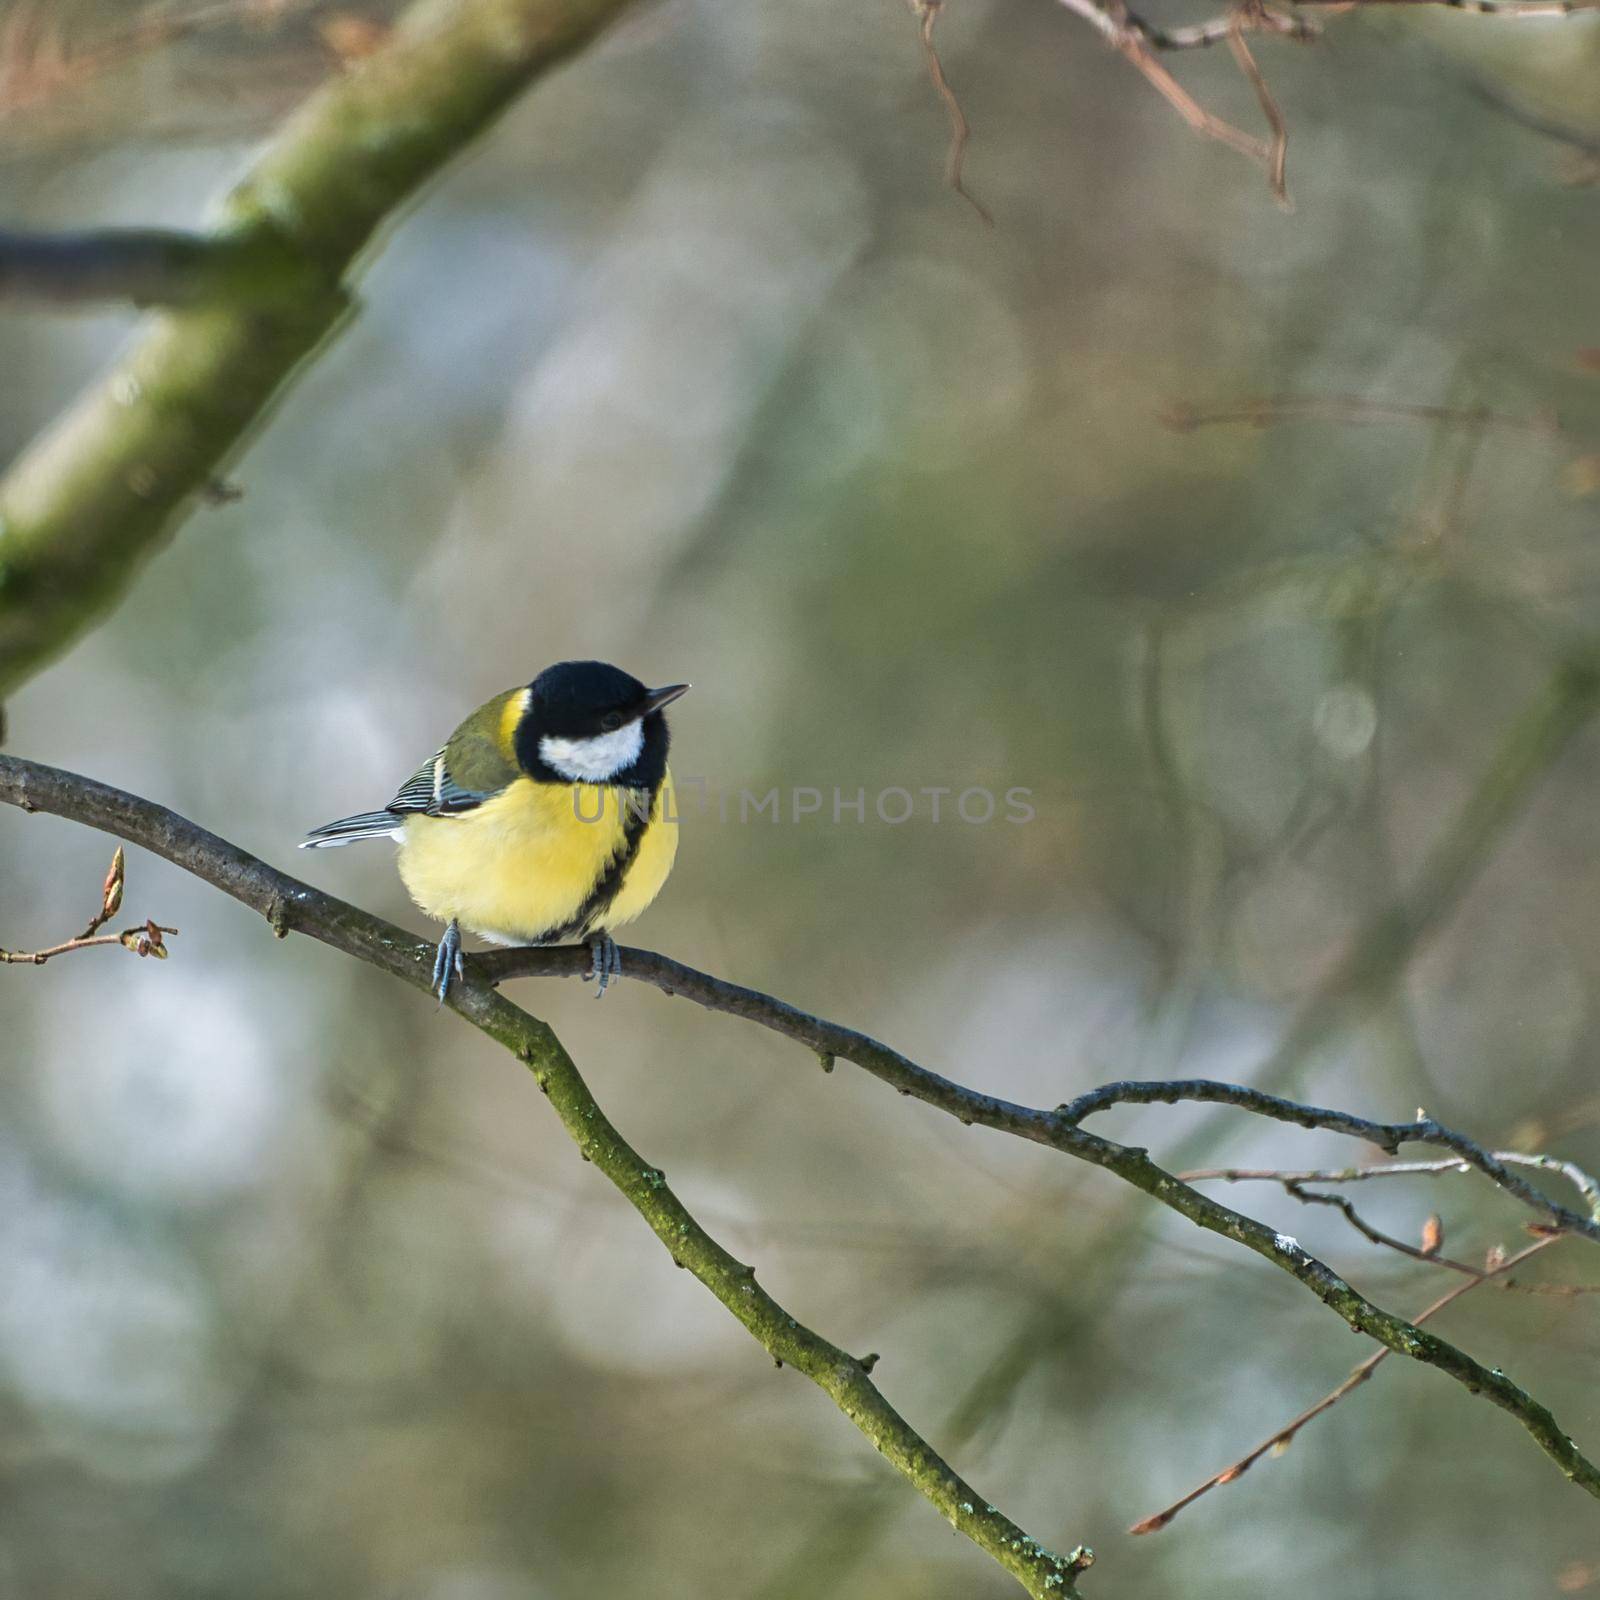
<point x="547" y="816"/>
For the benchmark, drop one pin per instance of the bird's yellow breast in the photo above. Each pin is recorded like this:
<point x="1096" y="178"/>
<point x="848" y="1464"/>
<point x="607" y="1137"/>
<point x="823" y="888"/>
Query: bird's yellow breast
<point x="521" y="866"/>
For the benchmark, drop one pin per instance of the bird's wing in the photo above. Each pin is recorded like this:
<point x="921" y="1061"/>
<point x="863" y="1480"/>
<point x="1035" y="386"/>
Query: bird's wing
<point x="474" y="765"/>
<point x="433" y="790"/>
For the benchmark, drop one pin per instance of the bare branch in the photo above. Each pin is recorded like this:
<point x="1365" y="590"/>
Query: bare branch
<point x="1280" y="1441"/>
<point x="1131" y="39"/>
<point x="144" y="940"/>
<point x="1294" y="1184"/>
<point x="1387" y="1136"/>
<point x="1138" y="40"/>
<point x="1574" y="1174"/>
<point x="1278" y="153"/>
<point x="1531" y="9"/>
<point x="291" y="906"/>
<point x="927" y="14"/>
<point x="1389" y="1169"/>
<point x="1367" y="1231"/>
<point x="1586" y="1186"/>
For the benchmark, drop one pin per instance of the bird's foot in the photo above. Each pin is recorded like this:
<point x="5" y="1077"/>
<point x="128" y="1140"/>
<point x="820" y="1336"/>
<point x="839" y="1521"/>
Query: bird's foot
<point x="605" y="962"/>
<point x="447" y="964"/>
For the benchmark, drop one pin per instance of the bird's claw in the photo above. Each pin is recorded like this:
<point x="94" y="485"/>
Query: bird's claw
<point x="605" y="962"/>
<point x="447" y="962"/>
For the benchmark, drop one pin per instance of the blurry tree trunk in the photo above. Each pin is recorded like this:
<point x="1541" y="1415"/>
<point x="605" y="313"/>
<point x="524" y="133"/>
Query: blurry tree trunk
<point x="249" y="300"/>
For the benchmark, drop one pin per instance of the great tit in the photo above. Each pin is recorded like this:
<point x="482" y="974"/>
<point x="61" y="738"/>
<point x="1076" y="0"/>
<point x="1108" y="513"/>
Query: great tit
<point x="547" y="816"/>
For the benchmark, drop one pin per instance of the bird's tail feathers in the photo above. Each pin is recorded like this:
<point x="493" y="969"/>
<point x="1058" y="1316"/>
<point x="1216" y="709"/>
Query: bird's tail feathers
<point x="348" y="830"/>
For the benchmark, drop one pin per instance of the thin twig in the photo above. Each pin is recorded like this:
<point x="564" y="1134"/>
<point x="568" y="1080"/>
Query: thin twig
<point x="1204" y="122"/>
<point x="1488" y="8"/>
<point x="292" y="906"/>
<point x="1586" y="1185"/>
<point x="927" y="14"/>
<point x="1389" y="1169"/>
<point x="144" y="940"/>
<point x="1201" y="35"/>
<point x="1131" y="41"/>
<point x="1294" y="1184"/>
<point x="1138" y="41"/>
<point x="1280" y="1441"/>
<point x="1278" y="154"/>
<point x="1388" y="1136"/>
<point x="1377" y="1235"/>
<point x="1184" y="417"/>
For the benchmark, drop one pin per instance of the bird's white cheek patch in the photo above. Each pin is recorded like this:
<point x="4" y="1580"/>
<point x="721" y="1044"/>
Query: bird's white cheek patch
<point x="593" y="760"/>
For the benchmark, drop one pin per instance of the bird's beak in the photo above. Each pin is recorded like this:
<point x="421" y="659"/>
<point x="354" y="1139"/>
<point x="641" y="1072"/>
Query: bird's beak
<point x="656" y="698"/>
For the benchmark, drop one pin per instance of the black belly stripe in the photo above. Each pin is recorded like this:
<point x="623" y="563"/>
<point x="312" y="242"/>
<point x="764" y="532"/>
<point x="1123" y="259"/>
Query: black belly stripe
<point x="638" y="806"/>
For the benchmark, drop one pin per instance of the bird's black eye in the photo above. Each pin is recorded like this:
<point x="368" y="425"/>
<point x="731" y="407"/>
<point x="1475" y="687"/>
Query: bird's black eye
<point x="610" y="722"/>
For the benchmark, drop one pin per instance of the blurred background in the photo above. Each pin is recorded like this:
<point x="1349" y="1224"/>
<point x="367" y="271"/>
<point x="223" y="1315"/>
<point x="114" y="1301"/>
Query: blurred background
<point x="696" y="366"/>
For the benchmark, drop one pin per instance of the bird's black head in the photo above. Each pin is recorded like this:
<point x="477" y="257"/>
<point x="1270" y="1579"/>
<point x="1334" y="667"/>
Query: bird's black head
<point x="590" y="722"/>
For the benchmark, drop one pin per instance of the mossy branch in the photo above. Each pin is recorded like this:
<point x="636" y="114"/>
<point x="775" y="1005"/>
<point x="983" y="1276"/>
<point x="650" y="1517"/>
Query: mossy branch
<point x="292" y="906"/>
<point x="150" y="267"/>
<point x="1059" y="1130"/>
<point x="249" y="301"/>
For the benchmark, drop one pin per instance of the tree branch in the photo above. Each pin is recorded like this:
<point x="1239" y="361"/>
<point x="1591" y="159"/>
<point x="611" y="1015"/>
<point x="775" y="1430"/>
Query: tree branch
<point x="99" y="492"/>
<point x="294" y="907"/>
<point x="1388" y="1136"/>
<point x="1138" y="41"/>
<point x="1586" y="1186"/>
<point x="1530" y="9"/>
<point x="1281" y="1440"/>
<point x="291" y="906"/>
<point x="144" y="940"/>
<point x="927" y="14"/>
<point x="1429" y="1256"/>
<point x="830" y="1041"/>
<point x="150" y="267"/>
